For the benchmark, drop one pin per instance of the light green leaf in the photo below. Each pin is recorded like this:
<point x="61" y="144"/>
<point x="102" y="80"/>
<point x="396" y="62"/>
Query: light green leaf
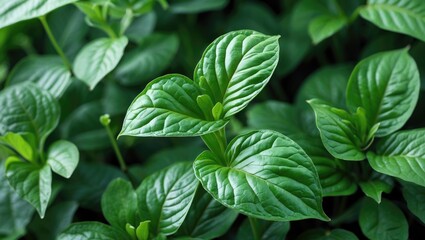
<point x="402" y="16"/>
<point x="119" y="204"/>
<point x="375" y="187"/>
<point x="148" y="60"/>
<point x="19" y="10"/>
<point x="93" y="230"/>
<point x="384" y="221"/>
<point x="265" y="175"/>
<point x="196" y="6"/>
<point x="63" y="157"/>
<point x="338" y="131"/>
<point x="236" y="67"/>
<point x="168" y="107"/>
<point x="165" y="197"/>
<point x="325" y="26"/>
<point x="386" y="85"/>
<point x="98" y="58"/>
<point x="48" y="72"/>
<point x="25" y="108"/>
<point x="401" y="155"/>
<point x="415" y="197"/>
<point x="322" y="234"/>
<point x="31" y="182"/>
<point x="19" y="144"/>
<point x="207" y="218"/>
<point x="267" y="230"/>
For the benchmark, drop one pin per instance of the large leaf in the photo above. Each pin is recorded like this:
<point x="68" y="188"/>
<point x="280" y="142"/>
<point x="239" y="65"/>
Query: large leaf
<point x="93" y="230"/>
<point x="386" y="85"/>
<point x="165" y="197"/>
<point x="119" y="204"/>
<point x="207" y="218"/>
<point x="148" y="60"/>
<point x="196" y="6"/>
<point x="98" y="58"/>
<point x="322" y="234"/>
<point x="31" y="182"/>
<point x="168" y="107"/>
<point x="265" y="230"/>
<point x="18" y="10"/>
<point x="63" y="157"/>
<point x="48" y="72"/>
<point x="402" y="16"/>
<point x="265" y="175"/>
<point x="401" y="155"/>
<point x="25" y="108"/>
<point x="236" y="66"/>
<point x="415" y="197"/>
<point x="384" y="221"/>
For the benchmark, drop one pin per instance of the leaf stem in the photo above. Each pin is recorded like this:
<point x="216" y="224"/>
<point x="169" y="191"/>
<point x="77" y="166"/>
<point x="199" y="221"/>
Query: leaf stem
<point x="105" y="121"/>
<point x="54" y="42"/>
<point x="254" y="226"/>
<point x="217" y="143"/>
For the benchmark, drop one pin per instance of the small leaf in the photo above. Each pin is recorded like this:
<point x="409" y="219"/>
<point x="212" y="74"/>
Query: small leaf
<point x="165" y="197"/>
<point x="386" y="85"/>
<point x="19" y="10"/>
<point x="97" y="59"/>
<point x="48" y="72"/>
<point x="325" y="26"/>
<point x="196" y="6"/>
<point x="265" y="175"/>
<point x="415" y="197"/>
<point x="31" y="182"/>
<point x="236" y="67"/>
<point x="267" y="230"/>
<point x="322" y="234"/>
<point x="401" y="155"/>
<point x="168" y="107"/>
<point x="384" y="221"/>
<point x="374" y="188"/>
<point x="402" y="16"/>
<point x="63" y="157"/>
<point x="93" y="230"/>
<point x="142" y="231"/>
<point x="19" y="144"/>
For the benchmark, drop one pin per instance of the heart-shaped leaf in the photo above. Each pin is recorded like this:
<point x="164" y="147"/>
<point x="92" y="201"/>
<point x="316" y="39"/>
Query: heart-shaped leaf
<point x="168" y="107"/>
<point x="265" y="175"/>
<point x="235" y="67"/>
<point x="63" y="157"/>
<point x="93" y="230"/>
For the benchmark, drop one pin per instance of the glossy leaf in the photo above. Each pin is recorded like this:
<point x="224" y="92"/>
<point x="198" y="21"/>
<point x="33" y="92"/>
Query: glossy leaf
<point x="402" y="16"/>
<point x="165" y="198"/>
<point x="325" y="26"/>
<point x="401" y="155"/>
<point x="148" y="60"/>
<point x="386" y="85"/>
<point x="48" y="72"/>
<point x="338" y="131"/>
<point x="168" y="107"/>
<point x="119" y="204"/>
<point x="28" y="109"/>
<point x="98" y="58"/>
<point x="93" y="230"/>
<point x="383" y="221"/>
<point x="31" y="182"/>
<point x="19" y="10"/>
<point x="415" y="197"/>
<point x="267" y="230"/>
<point x="265" y="175"/>
<point x="207" y="218"/>
<point x="63" y="157"/>
<point x="196" y="6"/>
<point x="322" y="234"/>
<point x="236" y="67"/>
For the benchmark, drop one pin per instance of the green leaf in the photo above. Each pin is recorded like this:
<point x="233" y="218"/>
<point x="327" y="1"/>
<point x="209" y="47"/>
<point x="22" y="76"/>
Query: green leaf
<point x="322" y="234"/>
<point x="63" y="157"/>
<point x="48" y="72"/>
<point x="325" y="26"/>
<point x="196" y="6"/>
<point x="19" y="10"/>
<point x="119" y="204"/>
<point x="386" y="85"/>
<point x="207" y="218"/>
<point x="93" y="230"/>
<point x="19" y="144"/>
<point x="142" y="231"/>
<point x="375" y="187"/>
<point x="97" y="59"/>
<point x="168" y="107"/>
<point x="31" y="182"/>
<point x="415" y="197"/>
<point x="266" y="229"/>
<point x="13" y="208"/>
<point x="165" y="197"/>
<point x="28" y="109"/>
<point x="401" y="155"/>
<point x="264" y="175"/>
<point x="141" y="27"/>
<point x="337" y="131"/>
<point x="236" y="67"/>
<point x="383" y="221"/>
<point x="144" y="63"/>
<point x="402" y="16"/>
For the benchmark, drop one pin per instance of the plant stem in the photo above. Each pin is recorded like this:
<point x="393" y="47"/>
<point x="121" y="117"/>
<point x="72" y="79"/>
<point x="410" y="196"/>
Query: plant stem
<point x="54" y="42"/>
<point x="255" y="231"/>
<point x="217" y="143"/>
<point x="105" y="121"/>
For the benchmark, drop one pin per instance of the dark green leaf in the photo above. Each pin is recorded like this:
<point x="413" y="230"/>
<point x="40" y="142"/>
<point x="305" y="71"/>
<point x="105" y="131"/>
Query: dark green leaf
<point x="196" y="6"/>
<point x="265" y="175"/>
<point x="266" y="229"/>
<point x="415" y="197"/>
<point x="376" y="185"/>
<point x="141" y="27"/>
<point x="63" y="157"/>
<point x="322" y="234"/>
<point x="91" y="231"/>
